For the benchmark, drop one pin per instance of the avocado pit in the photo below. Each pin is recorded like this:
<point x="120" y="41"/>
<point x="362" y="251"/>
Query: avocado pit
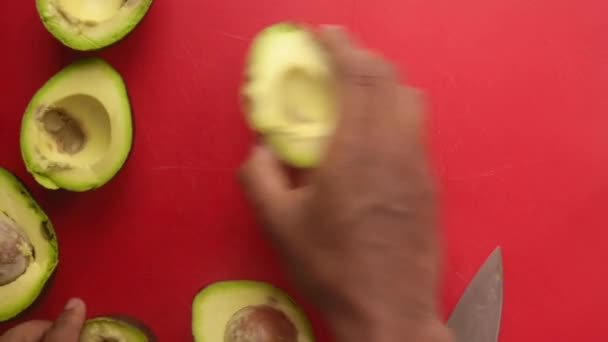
<point x="260" y="323"/>
<point x="15" y="251"/>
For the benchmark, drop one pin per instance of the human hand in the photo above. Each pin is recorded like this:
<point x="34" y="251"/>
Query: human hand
<point x="66" y="327"/>
<point x="360" y="236"/>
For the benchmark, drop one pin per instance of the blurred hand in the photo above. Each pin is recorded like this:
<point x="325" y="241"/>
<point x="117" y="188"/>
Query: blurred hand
<point x="66" y="327"/>
<point x="359" y="237"/>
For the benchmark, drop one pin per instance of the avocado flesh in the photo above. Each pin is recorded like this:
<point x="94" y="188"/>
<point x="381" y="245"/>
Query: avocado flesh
<point x="218" y="308"/>
<point x="76" y="132"/>
<point x="26" y="272"/>
<point x="91" y="24"/>
<point x="109" y="329"/>
<point x="290" y="93"/>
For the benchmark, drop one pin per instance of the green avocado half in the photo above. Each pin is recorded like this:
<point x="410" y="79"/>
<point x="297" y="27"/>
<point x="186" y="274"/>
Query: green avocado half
<point x="115" y="328"/>
<point x="289" y="93"/>
<point x="91" y="24"/>
<point x="77" y="130"/>
<point x="28" y="247"/>
<point x="247" y="311"/>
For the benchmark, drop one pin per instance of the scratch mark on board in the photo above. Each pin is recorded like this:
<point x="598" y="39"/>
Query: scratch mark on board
<point x="231" y="35"/>
<point x="189" y="168"/>
<point x="495" y="171"/>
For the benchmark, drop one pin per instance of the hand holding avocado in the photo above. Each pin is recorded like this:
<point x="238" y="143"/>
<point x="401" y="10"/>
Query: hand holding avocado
<point x="359" y="237"/>
<point x="71" y="326"/>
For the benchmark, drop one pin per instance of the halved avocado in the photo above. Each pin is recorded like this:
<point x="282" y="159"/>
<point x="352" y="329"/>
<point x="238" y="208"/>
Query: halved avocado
<point x="247" y="311"/>
<point x="289" y="93"/>
<point x="115" y="328"/>
<point x="77" y="130"/>
<point x="91" y="24"/>
<point x="28" y="247"/>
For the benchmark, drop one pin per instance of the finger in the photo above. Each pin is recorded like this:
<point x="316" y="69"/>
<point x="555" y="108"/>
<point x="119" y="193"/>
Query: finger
<point x="351" y="61"/>
<point x="364" y="82"/>
<point x="67" y="326"/>
<point x="336" y="42"/>
<point x="266" y="184"/>
<point x="31" y="331"/>
<point x="413" y="113"/>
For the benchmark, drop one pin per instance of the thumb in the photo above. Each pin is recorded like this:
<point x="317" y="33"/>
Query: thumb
<point x="266" y="184"/>
<point x="27" y="331"/>
<point x="67" y="326"/>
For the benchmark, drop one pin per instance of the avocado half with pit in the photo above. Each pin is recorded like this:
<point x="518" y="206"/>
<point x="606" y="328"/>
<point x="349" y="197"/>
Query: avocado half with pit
<point x="28" y="247"/>
<point x="91" y="24"/>
<point x="247" y="311"/>
<point x="77" y="130"/>
<point x="289" y="93"/>
<point x="115" y="328"/>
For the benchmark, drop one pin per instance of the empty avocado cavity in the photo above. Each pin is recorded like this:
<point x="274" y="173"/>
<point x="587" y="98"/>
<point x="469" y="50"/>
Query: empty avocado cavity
<point x="67" y="133"/>
<point x="65" y="120"/>
<point x="88" y="12"/>
<point x="289" y="94"/>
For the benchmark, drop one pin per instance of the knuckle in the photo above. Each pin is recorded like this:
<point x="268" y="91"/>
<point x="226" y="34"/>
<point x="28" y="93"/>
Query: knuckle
<point x="384" y="70"/>
<point x="366" y="69"/>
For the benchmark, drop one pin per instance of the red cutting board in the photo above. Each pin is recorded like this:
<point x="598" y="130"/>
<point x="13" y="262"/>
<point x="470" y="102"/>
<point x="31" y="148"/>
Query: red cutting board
<point x="518" y="92"/>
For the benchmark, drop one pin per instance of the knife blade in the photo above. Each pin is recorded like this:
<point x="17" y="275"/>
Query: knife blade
<point x="476" y="317"/>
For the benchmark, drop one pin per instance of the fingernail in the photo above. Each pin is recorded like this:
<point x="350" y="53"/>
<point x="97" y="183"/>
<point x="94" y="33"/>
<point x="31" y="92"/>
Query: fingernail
<point x="72" y="304"/>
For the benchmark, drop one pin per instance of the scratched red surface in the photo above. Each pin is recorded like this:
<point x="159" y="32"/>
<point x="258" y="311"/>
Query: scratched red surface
<point x="518" y="91"/>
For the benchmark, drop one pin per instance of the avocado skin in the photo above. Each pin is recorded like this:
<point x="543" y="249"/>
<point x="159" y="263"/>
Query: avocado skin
<point x="49" y="234"/>
<point x="84" y="45"/>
